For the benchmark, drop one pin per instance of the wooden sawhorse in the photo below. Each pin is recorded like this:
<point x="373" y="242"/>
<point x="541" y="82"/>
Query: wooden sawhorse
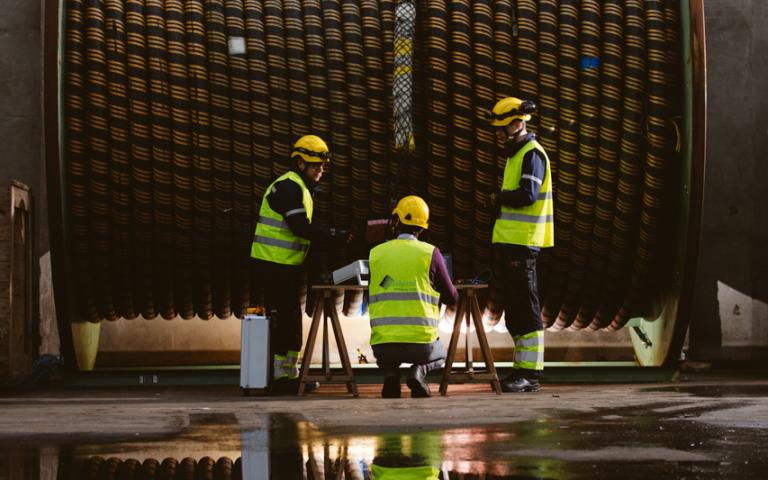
<point x="325" y="310"/>
<point x="466" y="311"/>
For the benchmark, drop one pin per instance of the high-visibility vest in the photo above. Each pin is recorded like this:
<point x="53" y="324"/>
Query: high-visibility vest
<point x="404" y="473"/>
<point x="404" y="307"/>
<point x="532" y="225"/>
<point x="273" y="241"/>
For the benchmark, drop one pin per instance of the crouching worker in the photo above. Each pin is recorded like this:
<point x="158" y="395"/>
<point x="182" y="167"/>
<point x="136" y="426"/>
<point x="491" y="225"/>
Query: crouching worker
<point x="408" y="281"/>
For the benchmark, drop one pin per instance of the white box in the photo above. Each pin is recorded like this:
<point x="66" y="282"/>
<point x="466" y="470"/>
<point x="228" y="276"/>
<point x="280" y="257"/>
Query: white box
<point x="254" y="352"/>
<point x="357" y="270"/>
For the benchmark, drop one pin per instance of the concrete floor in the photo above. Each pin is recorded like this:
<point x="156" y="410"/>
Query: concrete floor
<point x="700" y="426"/>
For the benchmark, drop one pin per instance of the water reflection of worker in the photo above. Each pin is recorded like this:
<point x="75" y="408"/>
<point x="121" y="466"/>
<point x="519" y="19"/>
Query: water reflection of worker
<point x="409" y="280"/>
<point x="408" y="457"/>
<point x="285" y="456"/>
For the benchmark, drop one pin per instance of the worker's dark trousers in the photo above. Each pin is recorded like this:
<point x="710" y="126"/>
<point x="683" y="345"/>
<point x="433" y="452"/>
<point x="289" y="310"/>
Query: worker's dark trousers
<point x="389" y="356"/>
<point x="514" y="276"/>
<point x="281" y="285"/>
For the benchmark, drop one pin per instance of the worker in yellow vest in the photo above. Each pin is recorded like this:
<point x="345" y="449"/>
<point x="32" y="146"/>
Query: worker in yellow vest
<point x="524" y="225"/>
<point x="283" y="235"/>
<point x="408" y="281"/>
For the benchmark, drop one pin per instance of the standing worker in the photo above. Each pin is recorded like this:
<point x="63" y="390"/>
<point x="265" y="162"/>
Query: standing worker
<point x="280" y="244"/>
<point x="408" y="281"/>
<point x="524" y="224"/>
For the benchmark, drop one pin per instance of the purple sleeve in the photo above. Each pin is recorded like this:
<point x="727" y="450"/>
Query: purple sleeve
<point x="441" y="281"/>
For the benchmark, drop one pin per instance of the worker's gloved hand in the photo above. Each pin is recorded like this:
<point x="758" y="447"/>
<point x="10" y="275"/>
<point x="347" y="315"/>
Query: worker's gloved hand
<point x="490" y="200"/>
<point x="342" y="235"/>
<point x="494" y="201"/>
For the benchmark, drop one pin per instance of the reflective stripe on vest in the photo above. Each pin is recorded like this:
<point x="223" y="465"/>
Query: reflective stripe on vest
<point x="404" y="307"/>
<point x="532" y="225"/>
<point x="424" y="297"/>
<point x="377" y="322"/>
<point x="273" y="241"/>
<point x="529" y="351"/>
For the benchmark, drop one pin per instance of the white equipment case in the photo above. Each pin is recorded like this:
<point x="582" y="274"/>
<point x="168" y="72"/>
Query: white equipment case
<point x="254" y="353"/>
<point x="356" y="271"/>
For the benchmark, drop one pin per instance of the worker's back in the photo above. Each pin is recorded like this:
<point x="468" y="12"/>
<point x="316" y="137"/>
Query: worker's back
<point x="404" y="306"/>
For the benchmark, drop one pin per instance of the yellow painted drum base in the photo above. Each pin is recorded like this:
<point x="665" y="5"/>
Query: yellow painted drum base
<point x="85" y="336"/>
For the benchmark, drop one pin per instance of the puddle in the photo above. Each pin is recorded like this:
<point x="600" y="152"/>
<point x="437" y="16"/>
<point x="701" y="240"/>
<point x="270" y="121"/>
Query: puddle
<point x="627" y="443"/>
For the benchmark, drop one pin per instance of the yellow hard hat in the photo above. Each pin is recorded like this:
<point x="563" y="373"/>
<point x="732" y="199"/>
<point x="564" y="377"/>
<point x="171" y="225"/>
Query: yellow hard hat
<point x="510" y="108"/>
<point x="412" y="210"/>
<point x="312" y="149"/>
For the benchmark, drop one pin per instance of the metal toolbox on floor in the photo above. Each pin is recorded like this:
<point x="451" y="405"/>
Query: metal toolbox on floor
<point x="254" y="353"/>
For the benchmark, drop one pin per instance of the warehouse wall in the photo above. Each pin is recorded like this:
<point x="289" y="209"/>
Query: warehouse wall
<point x="20" y="102"/>
<point x="21" y="145"/>
<point x="730" y="315"/>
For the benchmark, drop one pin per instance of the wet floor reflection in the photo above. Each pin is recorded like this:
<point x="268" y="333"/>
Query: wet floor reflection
<point x="731" y="391"/>
<point x="622" y="442"/>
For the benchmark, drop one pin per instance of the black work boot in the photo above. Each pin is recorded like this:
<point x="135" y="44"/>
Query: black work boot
<point x="417" y="382"/>
<point x="519" y="385"/>
<point x="290" y="386"/>
<point x="391" y="387"/>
